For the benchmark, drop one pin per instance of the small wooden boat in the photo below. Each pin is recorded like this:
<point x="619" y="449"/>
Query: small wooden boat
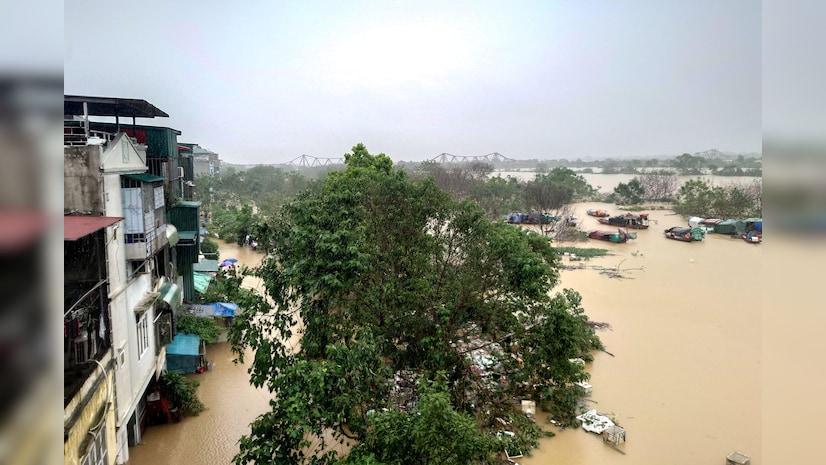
<point x="618" y="237"/>
<point x="629" y="220"/>
<point x="679" y="233"/>
<point x="598" y="213"/>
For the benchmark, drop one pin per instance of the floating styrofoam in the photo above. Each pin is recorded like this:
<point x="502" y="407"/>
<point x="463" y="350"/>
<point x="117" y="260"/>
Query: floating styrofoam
<point x="594" y="422"/>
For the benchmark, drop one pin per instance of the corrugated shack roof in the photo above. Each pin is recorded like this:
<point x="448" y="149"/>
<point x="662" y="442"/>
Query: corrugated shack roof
<point x="110" y="106"/>
<point x="184" y="344"/>
<point x="77" y="226"/>
<point x="205" y="266"/>
<point x="144" y="177"/>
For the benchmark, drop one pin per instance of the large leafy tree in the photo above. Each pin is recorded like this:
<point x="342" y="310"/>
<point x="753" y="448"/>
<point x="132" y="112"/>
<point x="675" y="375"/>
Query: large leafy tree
<point x="698" y="197"/>
<point x="378" y="274"/>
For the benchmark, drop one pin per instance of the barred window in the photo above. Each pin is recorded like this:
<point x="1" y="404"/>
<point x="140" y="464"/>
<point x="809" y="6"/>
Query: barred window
<point x="97" y="454"/>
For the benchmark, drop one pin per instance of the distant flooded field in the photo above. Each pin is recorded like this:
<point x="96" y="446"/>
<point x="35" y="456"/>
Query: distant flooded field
<point x="606" y="183"/>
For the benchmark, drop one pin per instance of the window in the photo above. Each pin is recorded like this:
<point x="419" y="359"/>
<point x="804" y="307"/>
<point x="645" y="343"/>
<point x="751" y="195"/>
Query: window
<point x="97" y="454"/>
<point x="143" y="334"/>
<point x="163" y="331"/>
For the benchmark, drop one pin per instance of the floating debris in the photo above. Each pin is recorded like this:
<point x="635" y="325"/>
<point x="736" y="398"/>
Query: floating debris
<point x="585" y="387"/>
<point x="598" y="325"/>
<point x="594" y="422"/>
<point x="736" y="458"/>
<point x="509" y="438"/>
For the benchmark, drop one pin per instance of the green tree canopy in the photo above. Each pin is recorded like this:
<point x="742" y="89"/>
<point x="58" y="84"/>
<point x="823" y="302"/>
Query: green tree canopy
<point x="385" y="274"/>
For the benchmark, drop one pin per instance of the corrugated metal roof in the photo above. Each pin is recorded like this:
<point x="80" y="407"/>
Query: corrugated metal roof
<point x="144" y="177"/>
<point x="171" y="294"/>
<point x="109" y="106"/>
<point x="75" y="227"/>
<point x="187" y="204"/>
<point x="184" y="344"/>
<point x="205" y="265"/>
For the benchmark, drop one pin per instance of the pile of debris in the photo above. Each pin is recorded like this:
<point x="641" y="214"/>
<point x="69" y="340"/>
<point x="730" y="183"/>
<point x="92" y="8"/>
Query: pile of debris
<point x="594" y="422"/>
<point x="403" y="393"/>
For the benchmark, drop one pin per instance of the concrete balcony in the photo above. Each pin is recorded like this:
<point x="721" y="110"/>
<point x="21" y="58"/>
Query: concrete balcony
<point x="143" y="248"/>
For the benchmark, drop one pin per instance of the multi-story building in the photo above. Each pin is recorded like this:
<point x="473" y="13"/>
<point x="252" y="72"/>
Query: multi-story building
<point x="205" y="161"/>
<point x="89" y="411"/>
<point x="109" y="173"/>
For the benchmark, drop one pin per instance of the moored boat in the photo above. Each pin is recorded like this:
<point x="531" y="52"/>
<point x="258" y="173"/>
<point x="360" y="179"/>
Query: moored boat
<point x="679" y="233"/>
<point x="598" y="213"/>
<point x="619" y="236"/>
<point x="706" y="224"/>
<point x="752" y="237"/>
<point x="730" y="227"/>
<point x="628" y="220"/>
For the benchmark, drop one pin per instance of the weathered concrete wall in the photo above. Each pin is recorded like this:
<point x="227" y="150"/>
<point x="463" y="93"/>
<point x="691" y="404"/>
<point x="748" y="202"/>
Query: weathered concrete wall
<point x="100" y="399"/>
<point x="82" y="181"/>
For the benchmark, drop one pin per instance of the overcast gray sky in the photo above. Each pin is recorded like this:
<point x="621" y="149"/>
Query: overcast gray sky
<point x="264" y="82"/>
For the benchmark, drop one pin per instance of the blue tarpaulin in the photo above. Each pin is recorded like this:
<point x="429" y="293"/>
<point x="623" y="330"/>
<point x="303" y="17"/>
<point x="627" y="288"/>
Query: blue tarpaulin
<point x="184" y="344"/>
<point x="225" y="309"/>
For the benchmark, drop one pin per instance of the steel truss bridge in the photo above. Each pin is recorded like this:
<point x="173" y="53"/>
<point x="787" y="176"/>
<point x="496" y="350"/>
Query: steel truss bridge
<point x="450" y="158"/>
<point x="309" y="161"/>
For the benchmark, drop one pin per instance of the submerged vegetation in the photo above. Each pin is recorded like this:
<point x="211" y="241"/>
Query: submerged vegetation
<point x="425" y="318"/>
<point x="582" y="252"/>
<point x="423" y="322"/>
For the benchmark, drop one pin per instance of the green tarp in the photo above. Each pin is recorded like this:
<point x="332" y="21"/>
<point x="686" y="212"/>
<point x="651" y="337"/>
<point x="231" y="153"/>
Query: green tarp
<point x="201" y="281"/>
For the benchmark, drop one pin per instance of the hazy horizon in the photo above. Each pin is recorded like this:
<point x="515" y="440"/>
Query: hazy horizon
<point x="263" y="82"/>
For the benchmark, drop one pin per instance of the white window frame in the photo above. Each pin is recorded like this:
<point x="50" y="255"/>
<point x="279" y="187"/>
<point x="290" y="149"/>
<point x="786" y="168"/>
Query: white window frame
<point x="142" y="327"/>
<point x="98" y="452"/>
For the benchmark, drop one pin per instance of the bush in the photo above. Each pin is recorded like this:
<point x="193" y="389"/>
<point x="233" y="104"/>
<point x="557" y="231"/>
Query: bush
<point x="208" y="246"/>
<point x="206" y="328"/>
<point x="180" y="392"/>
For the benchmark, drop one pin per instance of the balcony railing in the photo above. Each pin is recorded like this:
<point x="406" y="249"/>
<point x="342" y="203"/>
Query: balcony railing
<point x="140" y="248"/>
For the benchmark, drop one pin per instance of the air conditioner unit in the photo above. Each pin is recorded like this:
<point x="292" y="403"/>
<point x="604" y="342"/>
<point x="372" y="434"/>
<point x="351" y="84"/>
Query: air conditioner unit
<point x="181" y="172"/>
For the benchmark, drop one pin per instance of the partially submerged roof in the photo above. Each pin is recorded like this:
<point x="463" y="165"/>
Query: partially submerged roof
<point x="108" y="106"/>
<point x="75" y="227"/>
<point x="184" y="344"/>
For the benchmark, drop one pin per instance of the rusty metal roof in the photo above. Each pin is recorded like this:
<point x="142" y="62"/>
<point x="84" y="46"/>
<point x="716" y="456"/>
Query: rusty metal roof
<point x="75" y="227"/>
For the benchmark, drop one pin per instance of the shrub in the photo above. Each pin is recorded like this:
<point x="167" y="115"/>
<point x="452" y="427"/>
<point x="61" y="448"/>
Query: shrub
<point x="206" y="328"/>
<point x="180" y="392"/>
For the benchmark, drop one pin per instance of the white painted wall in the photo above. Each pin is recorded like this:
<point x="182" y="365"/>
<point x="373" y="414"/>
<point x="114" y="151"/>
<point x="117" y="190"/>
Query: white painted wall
<point x="134" y="369"/>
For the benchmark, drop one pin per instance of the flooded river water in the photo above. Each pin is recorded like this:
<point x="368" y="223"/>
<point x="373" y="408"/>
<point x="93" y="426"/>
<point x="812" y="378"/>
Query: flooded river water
<point x="231" y="405"/>
<point x="684" y="378"/>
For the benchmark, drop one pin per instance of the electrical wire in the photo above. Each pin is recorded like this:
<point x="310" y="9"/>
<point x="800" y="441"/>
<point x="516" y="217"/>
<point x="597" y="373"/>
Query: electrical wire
<point x="109" y="389"/>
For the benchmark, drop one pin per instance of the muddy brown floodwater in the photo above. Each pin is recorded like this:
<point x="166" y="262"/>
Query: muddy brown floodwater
<point x="685" y="333"/>
<point x="684" y="380"/>
<point x="231" y="404"/>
